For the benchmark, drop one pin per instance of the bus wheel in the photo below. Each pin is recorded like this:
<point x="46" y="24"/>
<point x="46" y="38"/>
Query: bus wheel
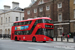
<point x="34" y="39"/>
<point x="44" y="41"/>
<point x="16" y="39"/>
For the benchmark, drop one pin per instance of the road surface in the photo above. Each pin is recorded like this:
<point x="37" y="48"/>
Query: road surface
<point x="21" y="45"/>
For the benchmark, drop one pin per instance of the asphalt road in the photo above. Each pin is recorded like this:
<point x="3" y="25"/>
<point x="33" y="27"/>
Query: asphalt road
<point x="21" y="45"/>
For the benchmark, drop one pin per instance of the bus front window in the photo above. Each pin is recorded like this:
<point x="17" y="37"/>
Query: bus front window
<point x="48" y="32"/>
<point x="47" y="21"/>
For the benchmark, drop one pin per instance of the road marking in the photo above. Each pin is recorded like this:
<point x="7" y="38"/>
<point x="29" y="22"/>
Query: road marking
<point x="57" y="46"/>
<point x="65" y="47"/>
<point x="34" y="48"/>
<point x="45" y="44"/>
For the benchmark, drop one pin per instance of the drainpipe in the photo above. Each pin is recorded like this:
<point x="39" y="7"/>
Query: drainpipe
<point x="69" y="14"/>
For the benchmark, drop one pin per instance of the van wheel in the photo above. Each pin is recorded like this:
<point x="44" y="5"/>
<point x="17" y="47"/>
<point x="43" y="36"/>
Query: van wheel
<point x="33" y="39"/>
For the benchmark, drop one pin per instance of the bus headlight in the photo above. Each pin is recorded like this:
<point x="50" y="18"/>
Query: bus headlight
<point x="44" y="38"/>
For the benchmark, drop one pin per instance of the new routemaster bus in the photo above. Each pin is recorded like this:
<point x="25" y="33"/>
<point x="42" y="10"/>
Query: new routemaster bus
<point x="37" y="29"/>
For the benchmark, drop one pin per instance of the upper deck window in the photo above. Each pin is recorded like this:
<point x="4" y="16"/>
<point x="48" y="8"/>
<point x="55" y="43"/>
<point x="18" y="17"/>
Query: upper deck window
<point x="22" y="23"/>
<point x="38" y="21"/>
<point x="15" y="24"/>
<point x="47" y="21"/>
<point x="43" y="21"/>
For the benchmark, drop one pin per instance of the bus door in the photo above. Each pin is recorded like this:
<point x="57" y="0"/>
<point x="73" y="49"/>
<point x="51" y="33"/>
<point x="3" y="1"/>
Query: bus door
<point x="49" y="33"/>
<point x="39" y="33"/>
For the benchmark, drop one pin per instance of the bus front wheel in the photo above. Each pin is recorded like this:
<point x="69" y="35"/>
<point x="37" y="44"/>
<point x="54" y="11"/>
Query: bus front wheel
<point x="16" y="39"/>
<point x="33" y="39"/>
<point x="44" y="41"/>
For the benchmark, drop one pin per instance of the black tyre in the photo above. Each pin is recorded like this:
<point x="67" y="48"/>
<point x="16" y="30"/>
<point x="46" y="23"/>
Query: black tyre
<point x="44" y="41"/>
<point x="34" y="39"/>
<point x="16" y="39"/>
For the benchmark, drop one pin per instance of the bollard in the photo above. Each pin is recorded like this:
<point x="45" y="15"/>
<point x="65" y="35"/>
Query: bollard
<point x="74" y="38"/>
<point x="61" y="39"/>
<point x="67" y="39"/>
<point x="56" y="38"/>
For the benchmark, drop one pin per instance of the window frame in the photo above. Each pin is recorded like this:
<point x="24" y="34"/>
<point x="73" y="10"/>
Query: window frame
<point x="28" y="12"/>
<point x="35" y="10"/>
<point x="6" y="20"/>
<point x="16" y="18"/>
<point x="41" y="9"/>
<point x="59" y="17"/>
<point x="41" y="2"/>
<point x="9" y="19"/>
<point x="47" y="7"/>
<point x="59" y="5"/>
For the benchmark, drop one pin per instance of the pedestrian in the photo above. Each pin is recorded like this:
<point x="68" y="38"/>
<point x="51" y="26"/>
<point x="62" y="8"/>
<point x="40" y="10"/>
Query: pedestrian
<point x="69" y="35"/>
<point x="63" y="36"/>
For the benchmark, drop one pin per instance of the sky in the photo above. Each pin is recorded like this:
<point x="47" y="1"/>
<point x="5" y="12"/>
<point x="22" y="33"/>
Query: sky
<point x="22" y="3"/>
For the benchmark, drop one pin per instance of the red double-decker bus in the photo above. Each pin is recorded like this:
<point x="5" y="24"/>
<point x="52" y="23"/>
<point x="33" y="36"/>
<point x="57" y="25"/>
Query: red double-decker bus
<point x="38" y="29"/>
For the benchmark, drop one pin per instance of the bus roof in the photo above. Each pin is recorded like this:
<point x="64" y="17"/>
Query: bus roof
<point x="33" y="19"/>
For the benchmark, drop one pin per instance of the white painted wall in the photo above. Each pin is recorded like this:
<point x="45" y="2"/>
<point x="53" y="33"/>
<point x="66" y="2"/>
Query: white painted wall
<point x="7" y="25"/>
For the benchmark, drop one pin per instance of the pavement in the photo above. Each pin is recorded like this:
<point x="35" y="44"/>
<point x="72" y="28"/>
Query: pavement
<point x="65" y="40"/>
<point x="71" y="40"/>
<point x="4" y="38"/>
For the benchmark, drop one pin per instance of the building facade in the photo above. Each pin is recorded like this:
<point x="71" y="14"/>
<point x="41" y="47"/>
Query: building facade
<point x="62" y="12"/>
<point x="61" y="17"/>
<point x="72" y="15"/>
<point x="8" y="17"/>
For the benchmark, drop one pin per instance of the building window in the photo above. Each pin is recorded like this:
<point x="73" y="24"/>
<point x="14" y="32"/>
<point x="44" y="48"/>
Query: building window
<point x="59" y="5"/>
<point x="40" y="9"/>
<point x="48" y="16"/>
<point x="47" y="7"/>
<point x="41" y="2"/>
<point x="28" y="12"/>
<point x="60" y="31"/>
<point x="74" y="1"/>
<point x="23" y="18"/>
<point x="9" y="19"/>
<point x="6" y="20"/>
<point x="16" y="18"/>
<point x="35" y="10"/>
<point x="74" y="13"/>
<point x="59" y="17"/>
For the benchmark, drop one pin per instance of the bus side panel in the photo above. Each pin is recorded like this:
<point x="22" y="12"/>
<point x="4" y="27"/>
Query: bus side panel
<point x="38" y="37"/>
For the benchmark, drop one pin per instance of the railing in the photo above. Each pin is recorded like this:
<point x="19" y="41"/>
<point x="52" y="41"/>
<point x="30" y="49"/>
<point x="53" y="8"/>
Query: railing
<point x="64" y="38"/>
<point x="56" y="38"/>
<point x="5" y="36"/>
